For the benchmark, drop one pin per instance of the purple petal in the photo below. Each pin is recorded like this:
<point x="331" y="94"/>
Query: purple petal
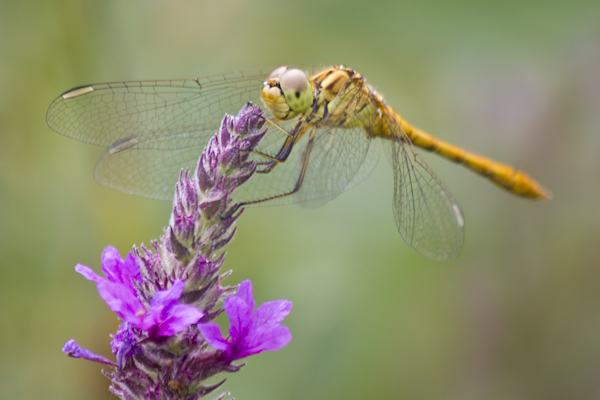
<point x="252" y="333"/>
<point x="239" y="315"/>
<point x="167" y="297"/>
<point x="166" y="317"/>
<point x="111" y="264"/>
<point x="125" y="345"/>
<point x="118" y="270"/>
<point x="72" y="349"/>
<point x="245" y="293"/>
<point x="271" y="313"/>
<point x="265" y="334"/>
<point x="123" y="302"/>
<point x="121" y="298"/>
<point x="131" y="268"/>
<point x="239" y="311"/>
<point x="212" y="334"/>
<point x="177" y="319"/>
<point x="88" y="273"/>
<point x="263" y="339"/>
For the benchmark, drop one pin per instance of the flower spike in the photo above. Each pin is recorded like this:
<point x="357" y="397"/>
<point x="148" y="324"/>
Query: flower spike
<point x="167" y="295"/>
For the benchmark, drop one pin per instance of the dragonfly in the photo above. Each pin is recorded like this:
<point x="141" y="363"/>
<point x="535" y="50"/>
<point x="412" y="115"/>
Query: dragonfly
<point x="326" y="130"/>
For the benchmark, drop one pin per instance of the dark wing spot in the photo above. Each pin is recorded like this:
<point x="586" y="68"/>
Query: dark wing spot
<point x="75" y="88"/>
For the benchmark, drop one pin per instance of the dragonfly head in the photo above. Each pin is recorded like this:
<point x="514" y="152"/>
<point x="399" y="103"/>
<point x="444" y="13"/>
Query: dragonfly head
<point x="287" y="93"/>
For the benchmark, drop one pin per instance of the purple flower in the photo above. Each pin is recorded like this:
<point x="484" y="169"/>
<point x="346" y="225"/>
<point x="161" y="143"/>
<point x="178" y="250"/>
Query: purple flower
<point x="161" y="292"/>
<point x="125" y="344"/>
<point x="250" y="332"/>
<point x="72" y="349"/>
<point x="162" y="317"/>
<point x="118" y="270"/>
<point x="166" y="317"/>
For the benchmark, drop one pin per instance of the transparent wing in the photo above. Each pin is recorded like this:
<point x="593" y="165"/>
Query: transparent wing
<point x="151" y="129"/>
<point x="335" y="158"/>
<point x="427" y="216"/>
<point x="146" y="172"/>
<point x="338" y="158"/>
<point x="357" y="102"/>
<point x="340" y="153"/>
<point x="172" y="112"/>
<point x="367" y="166"/>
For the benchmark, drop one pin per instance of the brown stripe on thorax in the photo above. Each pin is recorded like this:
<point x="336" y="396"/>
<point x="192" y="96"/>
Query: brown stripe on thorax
<point x="331" y="85"/>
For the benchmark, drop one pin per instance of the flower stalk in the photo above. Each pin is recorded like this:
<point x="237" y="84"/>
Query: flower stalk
<point x="167" y="296"/>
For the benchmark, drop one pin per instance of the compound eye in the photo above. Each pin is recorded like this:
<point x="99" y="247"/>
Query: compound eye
<point x="296" y="89"/>
<point x="293" y="79"/>
<point x="277" y="73"/>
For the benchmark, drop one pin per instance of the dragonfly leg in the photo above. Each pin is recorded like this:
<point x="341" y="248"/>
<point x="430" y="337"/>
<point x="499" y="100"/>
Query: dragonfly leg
<point x="277" y="127"/>
<point x="300" y="179"/>
<point x="267" y="167"/>
<point x="297" y="186"/>
<point x="260" y="153"/>
<point x="297" y="133"/>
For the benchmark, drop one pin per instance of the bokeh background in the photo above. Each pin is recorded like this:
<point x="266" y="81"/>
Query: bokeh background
<point x="516" y="316"/>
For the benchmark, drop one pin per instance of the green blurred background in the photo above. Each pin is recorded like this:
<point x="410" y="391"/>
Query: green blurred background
<point x="516" y="316"/>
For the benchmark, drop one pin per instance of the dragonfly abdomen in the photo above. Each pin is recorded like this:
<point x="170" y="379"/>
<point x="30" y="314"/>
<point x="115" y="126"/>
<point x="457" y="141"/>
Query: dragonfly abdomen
<point x="505" y="176"/>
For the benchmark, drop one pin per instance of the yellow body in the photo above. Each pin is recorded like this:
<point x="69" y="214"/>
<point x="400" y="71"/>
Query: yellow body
<point x="343" y="99"/>
<point x="507" y="177"/>
<point x="323" y="150"/>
